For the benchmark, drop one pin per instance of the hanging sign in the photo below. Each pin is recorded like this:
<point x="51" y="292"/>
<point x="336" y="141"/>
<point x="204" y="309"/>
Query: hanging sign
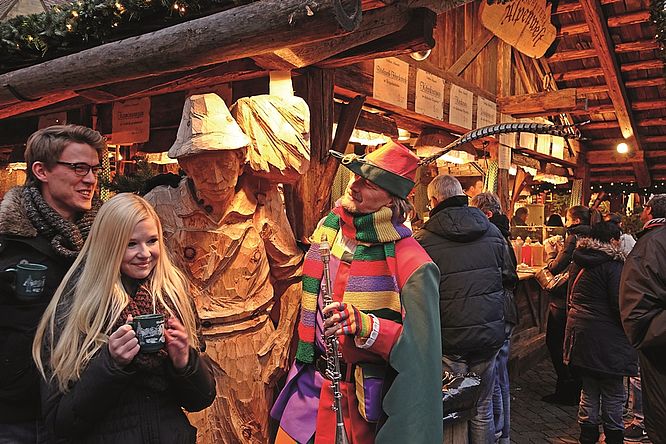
<point x="130" y="122"/>
<point x="429" y="94"/>
<point x="527" y="140"/>
<point x="390" y="81"/>
<point x="460" y="107"/>
<point x="523" y="24"/>
<point x="507" y="139"/>
<point x="558" y="147"/>
<point x="543" y="143"/>
<point x="486" y="112"/>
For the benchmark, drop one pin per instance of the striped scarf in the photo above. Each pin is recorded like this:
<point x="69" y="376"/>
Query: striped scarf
<point x="372" y="286"/>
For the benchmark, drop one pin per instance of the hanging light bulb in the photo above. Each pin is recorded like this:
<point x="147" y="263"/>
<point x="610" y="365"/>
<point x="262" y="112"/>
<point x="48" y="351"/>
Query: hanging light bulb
<point x="622" y="148"/>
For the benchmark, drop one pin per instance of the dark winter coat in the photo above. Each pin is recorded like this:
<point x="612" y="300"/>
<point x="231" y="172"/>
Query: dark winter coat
<point x="107" y="406"/>
<point x="20" y="242"/>
<point x="509" y="274"/>
<point x="559" y="263"/>
<point x="643" y="306"/>
<point x="594" y="339"/>
<point x="470" y="253"/>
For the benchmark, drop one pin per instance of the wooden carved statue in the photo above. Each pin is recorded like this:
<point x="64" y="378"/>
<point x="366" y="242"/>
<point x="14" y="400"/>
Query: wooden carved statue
<point x="226" y="228"/>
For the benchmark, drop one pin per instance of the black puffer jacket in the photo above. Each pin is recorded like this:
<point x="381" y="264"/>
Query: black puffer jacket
<point x="19" y="242"/>
<point x="560" y="262"/>
<point x="643" y="304"/>
<point x="470" y="253"/>
<point x="594" y="338"/>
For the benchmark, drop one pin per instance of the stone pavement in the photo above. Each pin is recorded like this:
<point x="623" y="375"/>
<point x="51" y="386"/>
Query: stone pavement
<point x="534" y="421"/>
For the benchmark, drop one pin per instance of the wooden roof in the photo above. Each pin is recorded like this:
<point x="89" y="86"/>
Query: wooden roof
<point x="607" y="50"/>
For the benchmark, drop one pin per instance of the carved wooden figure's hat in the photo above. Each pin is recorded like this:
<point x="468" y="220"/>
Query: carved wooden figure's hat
<point x="207" y="125"/>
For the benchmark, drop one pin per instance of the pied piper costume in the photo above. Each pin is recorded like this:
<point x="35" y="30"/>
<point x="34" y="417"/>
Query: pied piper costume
<point x="391" y="382"/>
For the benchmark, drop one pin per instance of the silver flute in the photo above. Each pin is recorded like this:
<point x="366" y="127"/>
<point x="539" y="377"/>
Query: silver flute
<point x="332" y="347"/>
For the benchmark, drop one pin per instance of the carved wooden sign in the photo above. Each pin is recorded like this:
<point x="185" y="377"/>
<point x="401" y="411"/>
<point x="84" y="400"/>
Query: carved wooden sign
<point x="523" y="24"/>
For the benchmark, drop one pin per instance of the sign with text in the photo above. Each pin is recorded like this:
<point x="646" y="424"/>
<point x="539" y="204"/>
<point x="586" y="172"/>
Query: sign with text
<point x="486" y="112"/>
<point x="543" y="143"/>
<point x="429" y="94"/>
<point x="527" y="140"/>
<point x="558" y="147"/>
<point x="523" y="24"/>
<point x="460" y="107"/>
<point x="390" y="81"/>
<point x="507" y="139"/>
<point x="130" y="122"/>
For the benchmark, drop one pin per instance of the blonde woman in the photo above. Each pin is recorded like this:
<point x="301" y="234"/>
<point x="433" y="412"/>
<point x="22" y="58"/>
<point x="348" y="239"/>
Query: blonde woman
<point x="98" y="386"/>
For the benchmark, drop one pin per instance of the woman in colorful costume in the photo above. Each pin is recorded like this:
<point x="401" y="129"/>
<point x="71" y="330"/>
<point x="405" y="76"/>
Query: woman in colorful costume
<point x="385" y="311"/>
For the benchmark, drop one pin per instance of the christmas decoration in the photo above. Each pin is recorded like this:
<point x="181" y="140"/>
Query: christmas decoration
<point x="71" y="27"/>
<point x="658" y="15"/>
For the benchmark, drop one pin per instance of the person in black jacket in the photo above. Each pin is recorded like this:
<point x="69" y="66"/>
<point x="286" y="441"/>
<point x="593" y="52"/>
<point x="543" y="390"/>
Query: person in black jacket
<point x="46" y="222"/>
<point x="567" y="387"/>
<point x="98" y="386"/>
<point x="470" y="252"/>
<point x="490" y="205"/>
<point x="595" y="343"/>
<point x="643" y="306"/>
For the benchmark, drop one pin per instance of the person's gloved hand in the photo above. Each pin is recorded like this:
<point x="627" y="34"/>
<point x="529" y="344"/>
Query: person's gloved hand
<point x="345" y="319"/>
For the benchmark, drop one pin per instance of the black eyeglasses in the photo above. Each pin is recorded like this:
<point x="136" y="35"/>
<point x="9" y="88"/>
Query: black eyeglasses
<point x="82" y="168"/>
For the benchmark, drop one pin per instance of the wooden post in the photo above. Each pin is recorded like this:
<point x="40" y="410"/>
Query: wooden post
<point x="504" y="74"/>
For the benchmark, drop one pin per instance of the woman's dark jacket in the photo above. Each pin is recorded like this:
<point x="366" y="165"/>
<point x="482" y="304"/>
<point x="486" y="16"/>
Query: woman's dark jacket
<point x="594" y="339"/>
<point x="20" y="242"/>
<point x="470" y="253"/>
<point x="111" y="404"/>
<point x="560" y="262"/>
<point x="643" y="303"/>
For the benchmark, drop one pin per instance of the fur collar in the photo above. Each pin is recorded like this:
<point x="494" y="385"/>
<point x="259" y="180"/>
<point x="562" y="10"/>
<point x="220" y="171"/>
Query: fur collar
<point x="609" y="249"/>
<point x="13" y="218"/>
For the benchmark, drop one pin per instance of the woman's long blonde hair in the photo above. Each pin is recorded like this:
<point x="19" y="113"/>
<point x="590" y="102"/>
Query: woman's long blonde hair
<point x="93" y="295"/>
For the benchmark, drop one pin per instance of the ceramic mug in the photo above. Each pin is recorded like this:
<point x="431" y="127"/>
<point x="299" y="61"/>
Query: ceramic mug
<point x="29" y="281"/>
<point x="149" y="329"/>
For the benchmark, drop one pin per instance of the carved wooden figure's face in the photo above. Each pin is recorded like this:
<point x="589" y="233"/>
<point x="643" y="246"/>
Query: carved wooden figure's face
<point x="213" y="173"/>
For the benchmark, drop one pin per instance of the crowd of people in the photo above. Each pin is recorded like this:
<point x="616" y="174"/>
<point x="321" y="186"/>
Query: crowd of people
<point x="75" y="364"/>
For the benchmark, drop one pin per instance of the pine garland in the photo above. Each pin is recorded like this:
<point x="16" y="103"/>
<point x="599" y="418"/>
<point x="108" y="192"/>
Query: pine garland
<point x="71" y="27"/>
<point x="658" y="14"/>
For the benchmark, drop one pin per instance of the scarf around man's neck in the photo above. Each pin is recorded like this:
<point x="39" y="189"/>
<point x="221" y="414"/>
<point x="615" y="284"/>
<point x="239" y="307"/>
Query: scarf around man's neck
<point x="67" y="238"/>
<point x="372" y="286"/>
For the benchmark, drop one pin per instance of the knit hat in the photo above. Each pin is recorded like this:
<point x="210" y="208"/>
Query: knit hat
<point x="206" y="125"/>
<point x="392" y="167"/>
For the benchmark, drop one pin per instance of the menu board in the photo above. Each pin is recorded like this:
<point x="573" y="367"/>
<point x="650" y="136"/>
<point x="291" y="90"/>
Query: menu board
<point x="460" y="108"/>
<point x="130" y="121"/>
<point x="486" y="112"/>
<point x="429" y="94"/>
<point x="390" y="81"/>
<point x="558" y="147"/>
<point x="543" y="143"/>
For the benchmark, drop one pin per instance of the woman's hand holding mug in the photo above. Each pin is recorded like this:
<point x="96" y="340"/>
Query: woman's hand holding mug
<point x="123" y="344"/>
<point x="177" y="343"/>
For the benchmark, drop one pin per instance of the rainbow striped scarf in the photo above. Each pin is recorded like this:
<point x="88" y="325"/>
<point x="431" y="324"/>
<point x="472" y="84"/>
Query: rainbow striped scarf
<point x="372" y="286"/>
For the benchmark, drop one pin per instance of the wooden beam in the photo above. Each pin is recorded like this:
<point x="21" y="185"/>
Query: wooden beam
<point x="654" y="139"/>
<point x="566" y="6"/>
<point x="576" y="54"/>
<point x="374" y="122"/>
<point x="416" y="35"/>
<point x="437" y="6"/>
<point x="630" y="18"/>
<point x="22" y="107"/>
<point x="374" y="24"/>
<point x="470" y="54"/>
<point x="631" y="84"/>
<point x="586" y="73"/>
<point x="546" y="157"/>
<point x="607" y="157"/>
<point x="546" y="103"/>
<point x="227" y="35"/>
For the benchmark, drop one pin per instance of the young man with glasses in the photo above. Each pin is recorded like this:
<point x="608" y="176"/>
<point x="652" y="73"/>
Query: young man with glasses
<point x="45" y="222"/>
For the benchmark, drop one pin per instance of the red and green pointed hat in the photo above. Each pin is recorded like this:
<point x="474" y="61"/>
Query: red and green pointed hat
<point x="392" y="167"/>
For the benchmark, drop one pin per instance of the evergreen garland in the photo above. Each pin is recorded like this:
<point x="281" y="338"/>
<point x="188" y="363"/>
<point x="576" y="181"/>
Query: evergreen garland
<point x="71" y="27"/>
<point x="658" y="14"/>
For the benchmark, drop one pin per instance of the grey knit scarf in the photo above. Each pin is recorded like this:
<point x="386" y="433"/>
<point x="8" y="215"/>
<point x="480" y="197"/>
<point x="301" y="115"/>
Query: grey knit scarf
<point x="67" y="238"/>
